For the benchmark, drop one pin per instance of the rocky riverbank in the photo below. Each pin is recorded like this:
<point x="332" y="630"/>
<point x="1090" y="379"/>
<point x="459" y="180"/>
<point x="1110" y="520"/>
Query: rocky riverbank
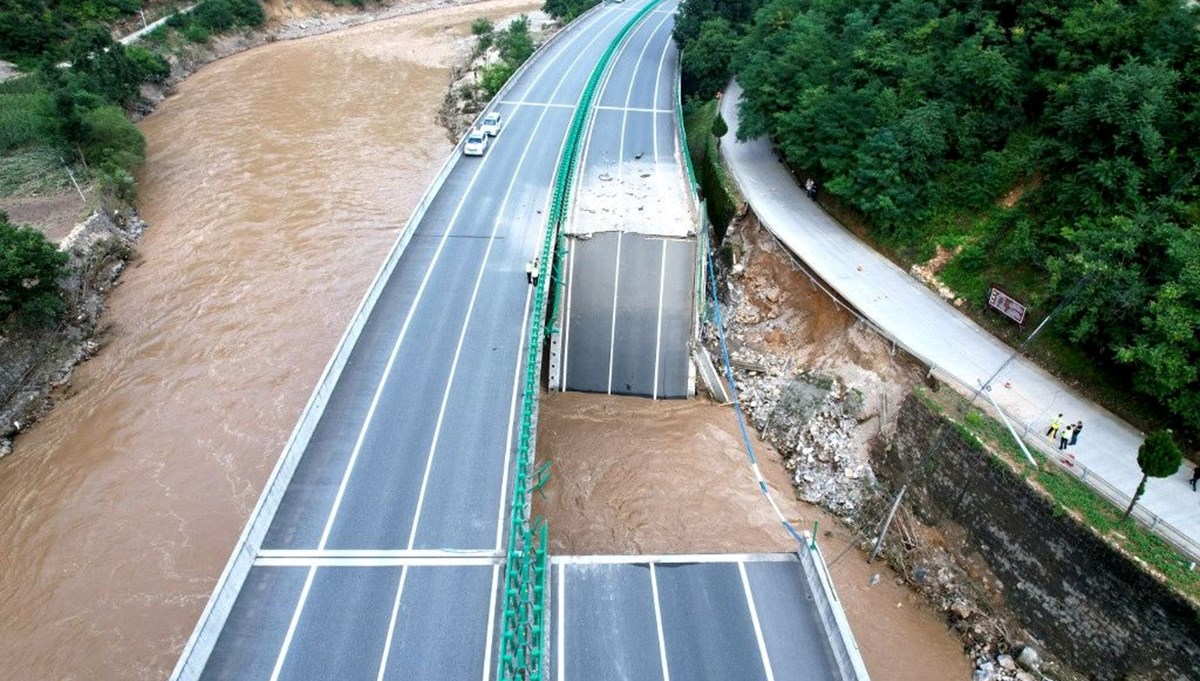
<point x="36" y="361"/>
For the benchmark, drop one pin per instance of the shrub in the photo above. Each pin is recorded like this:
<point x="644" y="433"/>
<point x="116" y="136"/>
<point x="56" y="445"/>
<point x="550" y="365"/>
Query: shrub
<point x="195" y="33"/>
<point x="494" y="76"/>
<point x="30" y="267"/>
<point x="150" y="66"/>
<point x="482" y="26"/>
<point x="111" y="141"/>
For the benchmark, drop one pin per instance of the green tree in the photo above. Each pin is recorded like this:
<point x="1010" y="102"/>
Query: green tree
<point x="706" y="60"/>
<point x="1158" y="457"/>
<point x="719" y="127"/>
<point x="30" y="267"/>
<point x="515" y="42"/>
<point x="109" y="139"/>
<point x="493" y="77"/>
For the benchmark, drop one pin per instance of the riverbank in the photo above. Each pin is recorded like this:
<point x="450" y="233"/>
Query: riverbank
<point x="275" y="182"/>
<point x="38" y="363"/>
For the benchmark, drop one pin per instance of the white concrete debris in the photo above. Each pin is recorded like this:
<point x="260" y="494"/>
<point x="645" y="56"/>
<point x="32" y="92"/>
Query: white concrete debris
<point x="637" y="196"/>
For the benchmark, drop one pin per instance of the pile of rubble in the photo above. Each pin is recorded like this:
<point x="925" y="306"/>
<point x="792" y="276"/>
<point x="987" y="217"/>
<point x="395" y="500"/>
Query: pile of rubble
<point x="811" y="419"/>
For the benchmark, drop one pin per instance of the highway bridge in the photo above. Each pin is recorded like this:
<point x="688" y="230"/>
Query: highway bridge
<point x="393" y="539"/>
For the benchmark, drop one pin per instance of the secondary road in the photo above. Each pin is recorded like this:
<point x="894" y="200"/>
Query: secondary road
<point x="944" y="338"/>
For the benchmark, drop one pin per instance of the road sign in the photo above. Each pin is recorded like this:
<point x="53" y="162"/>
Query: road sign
<point x="1006" y="304"/>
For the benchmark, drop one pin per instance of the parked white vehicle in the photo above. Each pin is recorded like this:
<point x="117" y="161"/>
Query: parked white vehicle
<point x="491" y="124"/>
<point x="476" y="143"/>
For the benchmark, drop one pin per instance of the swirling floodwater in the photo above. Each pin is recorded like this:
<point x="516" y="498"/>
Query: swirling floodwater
<point x="276" y="180"/>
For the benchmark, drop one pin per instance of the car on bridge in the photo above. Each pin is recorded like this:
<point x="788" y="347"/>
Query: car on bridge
<point x="476" y="143"/>
<point x="491" y="124"/>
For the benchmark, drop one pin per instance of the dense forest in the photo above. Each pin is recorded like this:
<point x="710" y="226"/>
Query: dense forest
<point x="1053" y="144"/>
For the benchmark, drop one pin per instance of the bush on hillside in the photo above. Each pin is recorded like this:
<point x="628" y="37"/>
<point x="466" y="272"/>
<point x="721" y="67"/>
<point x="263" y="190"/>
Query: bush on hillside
<point x="30" y="267"/>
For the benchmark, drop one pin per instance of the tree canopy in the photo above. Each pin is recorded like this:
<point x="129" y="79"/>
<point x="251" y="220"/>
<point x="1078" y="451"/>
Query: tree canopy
<point x="30" y="267"/>
<point x="917" y="113"/>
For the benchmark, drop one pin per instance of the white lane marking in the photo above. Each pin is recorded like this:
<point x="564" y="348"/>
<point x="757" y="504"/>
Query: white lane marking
<point x="567" y="325"/>
<point x="635" y="109"/>
<point x="487" y="644"/>
<point x="677" y="558"/>
<point x="662" y="285"/>
<point x="762" y="644"/>
<point x="508" y="447"/>
<point x="662" y="59"/>
<point x="612" y="336"/>
<point x="562" y="624"/>
<point x="658" y="625"/>
<point x="518" y="103"/>
<point x="291" y="630"/>
<point x="462" y="335"/>
<point x="391" y="632"/>
<point x="496" y="223"/>
<point x="306" y="554"/>
<point x="377" y="561"/>
<point x="512" y="416"/>
<point x="362" y="433"/>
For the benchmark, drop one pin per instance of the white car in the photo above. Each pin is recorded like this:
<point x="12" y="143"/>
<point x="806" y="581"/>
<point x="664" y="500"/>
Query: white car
<point x="491" y="124"/>
<point x="476" y="143"/>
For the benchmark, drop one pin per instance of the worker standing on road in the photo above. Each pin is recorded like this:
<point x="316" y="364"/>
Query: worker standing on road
<point x="1055" y="424"/>
<point x="1064" y="437"/>
<point x="1075" y="433"/>
<point x="1195" y="478"/>
<point x="531" y="271"/>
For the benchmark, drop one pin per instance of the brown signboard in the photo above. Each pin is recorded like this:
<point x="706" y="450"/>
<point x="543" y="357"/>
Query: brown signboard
<point x="1006" y="304"/>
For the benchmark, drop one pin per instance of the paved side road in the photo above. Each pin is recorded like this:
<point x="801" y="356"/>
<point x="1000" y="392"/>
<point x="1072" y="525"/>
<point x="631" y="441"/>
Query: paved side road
<point x="941" y="336"/>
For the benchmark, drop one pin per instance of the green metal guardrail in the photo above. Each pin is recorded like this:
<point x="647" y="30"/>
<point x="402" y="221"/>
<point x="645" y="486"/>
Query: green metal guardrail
<point x="522" y="638"/>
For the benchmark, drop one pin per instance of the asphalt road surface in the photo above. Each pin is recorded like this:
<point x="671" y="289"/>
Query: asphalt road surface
<point x="705" y="617"/>
<point x="632" y="252"/>
<point x="383" y="559"/>
<point x="363" y="569"/>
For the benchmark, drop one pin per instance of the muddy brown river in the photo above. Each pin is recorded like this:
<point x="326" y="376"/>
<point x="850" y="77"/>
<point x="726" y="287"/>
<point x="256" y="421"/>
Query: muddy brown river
<point x="275" y="182"/>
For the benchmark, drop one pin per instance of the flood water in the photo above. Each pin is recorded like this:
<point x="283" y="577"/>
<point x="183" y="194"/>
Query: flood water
<point x="276" y="180"/>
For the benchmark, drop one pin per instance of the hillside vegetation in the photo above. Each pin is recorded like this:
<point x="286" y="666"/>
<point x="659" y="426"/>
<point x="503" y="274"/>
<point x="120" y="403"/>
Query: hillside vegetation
<point x="1052" y="145"/>
<point x="71" y="106"/>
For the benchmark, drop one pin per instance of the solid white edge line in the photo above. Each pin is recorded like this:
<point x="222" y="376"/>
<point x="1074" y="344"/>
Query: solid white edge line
<point x="676" y="559"/>
<point x="379" y="561"/>
<point x="512" y="416"/>
<point x="658" y="626"/>
<point x="391" y="632"/>
<point x="561" y="663"/>
<point x="491" y="624"/>
<point x="758" y="634"/>
<point x="612" y="336"/>
<point x="662" y="284"/>
<point x="496" y="222"/>
<point x="635" y="109"/>
<point x="291" y="630"/>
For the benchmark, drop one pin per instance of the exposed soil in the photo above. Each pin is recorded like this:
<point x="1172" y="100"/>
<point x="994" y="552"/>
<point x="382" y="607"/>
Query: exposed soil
<point x="54" y="215"/>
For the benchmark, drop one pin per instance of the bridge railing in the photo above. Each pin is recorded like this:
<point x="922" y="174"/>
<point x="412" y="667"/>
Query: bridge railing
<point x="523" y="630"/>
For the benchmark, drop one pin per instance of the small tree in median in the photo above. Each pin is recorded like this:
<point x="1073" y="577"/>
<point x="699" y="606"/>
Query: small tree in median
<point x="719" y="126"/>
<point x="1158" y="457"/>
